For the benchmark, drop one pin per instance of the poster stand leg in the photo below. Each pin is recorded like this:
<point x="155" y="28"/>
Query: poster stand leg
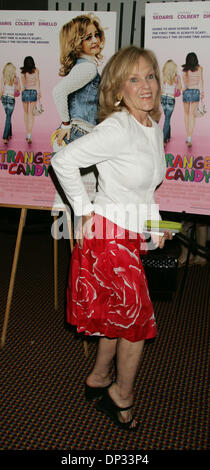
<point x="55" y="264"/>
<point x="13" y="273"/>
<point x="14" y="268"/>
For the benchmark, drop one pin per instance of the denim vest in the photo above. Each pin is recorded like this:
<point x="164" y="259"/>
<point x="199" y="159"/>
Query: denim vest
<point x="83" y="103"/>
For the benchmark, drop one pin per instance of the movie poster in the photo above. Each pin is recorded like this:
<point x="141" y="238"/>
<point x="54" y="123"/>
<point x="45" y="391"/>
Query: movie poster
<point x="25" y="158"/>
<point x="179" y="34"/>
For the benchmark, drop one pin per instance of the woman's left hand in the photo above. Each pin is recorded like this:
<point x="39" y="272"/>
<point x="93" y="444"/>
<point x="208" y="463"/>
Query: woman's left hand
<point x="159" y="240"/>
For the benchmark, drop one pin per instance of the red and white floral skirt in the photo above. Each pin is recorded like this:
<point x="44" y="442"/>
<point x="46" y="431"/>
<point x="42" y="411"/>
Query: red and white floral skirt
<point x="107" y="292"/>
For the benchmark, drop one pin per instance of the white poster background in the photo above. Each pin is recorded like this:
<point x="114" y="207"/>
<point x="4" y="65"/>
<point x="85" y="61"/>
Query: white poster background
<point x="36" y="34"/>
<point x="172" y="31"/>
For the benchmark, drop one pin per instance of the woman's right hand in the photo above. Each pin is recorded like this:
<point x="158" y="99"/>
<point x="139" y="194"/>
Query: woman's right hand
<point x="60" y="134"/>
<point x="84" y="228"/>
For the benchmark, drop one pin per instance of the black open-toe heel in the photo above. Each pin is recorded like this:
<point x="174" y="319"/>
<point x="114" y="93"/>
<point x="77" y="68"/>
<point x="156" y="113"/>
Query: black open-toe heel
<point x="95" y="392"/>
<point x="107" y="406"/>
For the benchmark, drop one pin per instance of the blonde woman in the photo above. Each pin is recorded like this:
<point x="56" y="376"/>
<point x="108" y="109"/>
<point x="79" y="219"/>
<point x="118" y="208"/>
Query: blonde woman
<point x="9" y="83"/>
<point x="76" y="95"/>
<point x="170" y="81"/>
<point x="30" y="94"/>
<point x="107" y="293"/>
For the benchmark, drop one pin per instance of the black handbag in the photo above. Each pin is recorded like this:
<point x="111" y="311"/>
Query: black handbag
<point x="161" y="273"/>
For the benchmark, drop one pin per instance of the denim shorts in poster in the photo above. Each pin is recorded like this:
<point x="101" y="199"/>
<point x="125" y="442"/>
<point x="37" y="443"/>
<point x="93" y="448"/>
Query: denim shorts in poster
<point x="191" y="95"/>
<point x="29" y="95"/>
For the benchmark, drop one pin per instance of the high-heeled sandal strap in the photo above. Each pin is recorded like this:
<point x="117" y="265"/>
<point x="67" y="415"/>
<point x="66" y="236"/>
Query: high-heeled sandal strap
<point x="124" y="409"/>
<point x="109" y="408"/>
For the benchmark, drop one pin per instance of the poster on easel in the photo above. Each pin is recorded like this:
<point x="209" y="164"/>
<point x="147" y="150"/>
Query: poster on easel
<point x="29" y="71"/>
<point x="179" y="34"/>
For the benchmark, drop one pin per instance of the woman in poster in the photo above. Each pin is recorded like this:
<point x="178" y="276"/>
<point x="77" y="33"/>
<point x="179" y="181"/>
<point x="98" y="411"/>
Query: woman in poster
<point x="30" y="94"/>
<point x="108" y="294"/>
<point x="171" y="82"/>
<point x="192" y="93"/>
<point x="10" y="88"/>
<point x="76" y="95"/>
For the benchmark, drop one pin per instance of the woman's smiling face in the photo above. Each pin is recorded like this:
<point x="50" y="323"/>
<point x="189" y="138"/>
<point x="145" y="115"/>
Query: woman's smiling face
<point x="140" y="89"/>
<point x="92" y="41"/>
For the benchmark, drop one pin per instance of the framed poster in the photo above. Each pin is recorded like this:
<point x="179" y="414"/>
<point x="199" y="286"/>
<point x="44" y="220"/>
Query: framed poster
<point x="24" y="161"/>
<point x="179" y="34"/>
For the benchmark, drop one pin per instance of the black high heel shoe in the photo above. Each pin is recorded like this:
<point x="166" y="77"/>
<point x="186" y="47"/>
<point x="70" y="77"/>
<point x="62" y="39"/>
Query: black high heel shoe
<point x="95" y="392"/>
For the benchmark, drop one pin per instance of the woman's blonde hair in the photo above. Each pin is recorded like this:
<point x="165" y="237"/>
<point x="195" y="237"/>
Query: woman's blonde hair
<point x="169" y="72"/>
<point x="9" y="73"/>
<point x="116" y="72"/>
<point x="71" y="36"/>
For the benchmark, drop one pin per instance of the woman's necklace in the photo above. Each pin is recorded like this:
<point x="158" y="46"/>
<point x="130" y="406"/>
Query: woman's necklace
<point x="146" y="122"/>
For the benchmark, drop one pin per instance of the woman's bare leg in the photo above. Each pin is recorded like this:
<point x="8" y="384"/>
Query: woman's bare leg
<point x="202" y="234"/>
<point x="186" y="117"/>
<point x="31" y="116"/>
<point x="128" y="362"/>
<point x="184" y="248"/>
<point x="101" y="373"/>
<point x="201" y="238"/>
<point x="26" y="109"/>
<point x="192" y="118"/>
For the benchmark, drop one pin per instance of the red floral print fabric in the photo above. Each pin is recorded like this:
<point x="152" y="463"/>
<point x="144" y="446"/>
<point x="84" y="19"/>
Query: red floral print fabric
<point x="107" y="292"/>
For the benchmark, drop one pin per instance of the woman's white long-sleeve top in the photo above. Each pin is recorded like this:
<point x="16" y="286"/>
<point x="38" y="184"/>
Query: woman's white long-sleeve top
<point x="131" y="164"/>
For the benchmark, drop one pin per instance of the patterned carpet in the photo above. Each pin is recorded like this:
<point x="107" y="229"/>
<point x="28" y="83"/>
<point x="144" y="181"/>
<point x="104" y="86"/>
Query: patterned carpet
<point x="44" y="366"/>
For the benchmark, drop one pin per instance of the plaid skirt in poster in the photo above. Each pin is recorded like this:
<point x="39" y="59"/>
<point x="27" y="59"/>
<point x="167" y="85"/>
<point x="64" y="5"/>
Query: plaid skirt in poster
<point x="107" y="293"/>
